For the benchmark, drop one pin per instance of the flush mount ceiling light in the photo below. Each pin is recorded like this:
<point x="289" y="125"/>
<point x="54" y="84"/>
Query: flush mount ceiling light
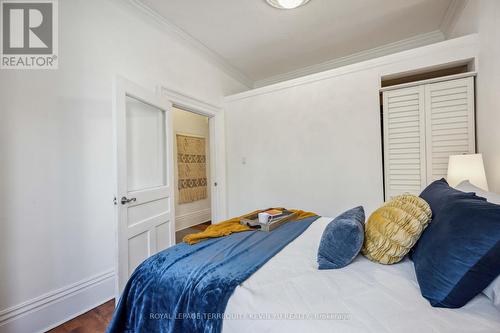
<point x="287" y="4"/>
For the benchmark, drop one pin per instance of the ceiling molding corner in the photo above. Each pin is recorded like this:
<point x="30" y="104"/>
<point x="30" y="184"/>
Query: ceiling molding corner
<point x="462" y="48"/>
<point x="451" y="16"/>
<point x="399" y="46"/>
<point x="174" y="30"/>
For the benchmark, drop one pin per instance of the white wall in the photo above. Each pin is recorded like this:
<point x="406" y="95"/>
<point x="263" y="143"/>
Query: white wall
<point x="483" y="16"/>
<point x="191" y="213"/>
<point x="468" y="21"/>
<point x="56" y="157"/>
<point x="488" y="90"/>
<point x="315" y="143"/>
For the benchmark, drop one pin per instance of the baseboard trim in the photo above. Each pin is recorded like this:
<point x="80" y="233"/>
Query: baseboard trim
<point x="54" y="308"/>
<point x="191" y="219"/>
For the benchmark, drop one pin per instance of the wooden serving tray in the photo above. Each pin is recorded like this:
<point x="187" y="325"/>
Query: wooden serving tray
<point x="253" y="221"/>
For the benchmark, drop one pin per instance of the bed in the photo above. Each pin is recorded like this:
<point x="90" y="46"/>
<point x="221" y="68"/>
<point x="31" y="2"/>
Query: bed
<point x="362" y="297"/>
<point x="289" y="294"/>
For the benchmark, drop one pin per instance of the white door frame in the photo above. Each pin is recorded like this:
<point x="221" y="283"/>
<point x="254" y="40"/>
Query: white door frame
<point x="217" y="145"/>
<point x="123" y="88"/>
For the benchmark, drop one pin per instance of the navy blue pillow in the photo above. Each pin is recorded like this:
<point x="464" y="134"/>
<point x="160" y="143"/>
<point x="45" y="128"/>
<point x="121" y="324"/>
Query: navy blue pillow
<point x="342" y="239"/>
<point x="438" y="193"/>
<point x="458" y="255"/>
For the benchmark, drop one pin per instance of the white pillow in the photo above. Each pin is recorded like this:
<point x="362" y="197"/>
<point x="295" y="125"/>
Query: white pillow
<point x="493" y="290"/>
<point x="466" y="186"/>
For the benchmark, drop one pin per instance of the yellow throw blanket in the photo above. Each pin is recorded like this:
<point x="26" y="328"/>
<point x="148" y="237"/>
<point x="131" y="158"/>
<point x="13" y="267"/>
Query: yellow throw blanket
<point x="233" y="225"/>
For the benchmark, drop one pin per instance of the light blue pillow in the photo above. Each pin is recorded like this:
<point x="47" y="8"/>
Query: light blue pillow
<point x="342" y="239"/>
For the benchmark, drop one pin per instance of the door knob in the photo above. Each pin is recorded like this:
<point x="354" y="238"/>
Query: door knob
<point x="125" y="200"/>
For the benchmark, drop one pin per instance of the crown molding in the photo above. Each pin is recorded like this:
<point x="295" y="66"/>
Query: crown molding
<point x="449" y="21"/>
<point x="462" y="48"/>
<point x="402" y="45"/>
<point x="452" y="15"/>
<point x="174" y="30"/>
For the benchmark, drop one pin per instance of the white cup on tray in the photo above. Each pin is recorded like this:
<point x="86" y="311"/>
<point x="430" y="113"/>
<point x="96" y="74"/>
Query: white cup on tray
<point x="264" y="217"/>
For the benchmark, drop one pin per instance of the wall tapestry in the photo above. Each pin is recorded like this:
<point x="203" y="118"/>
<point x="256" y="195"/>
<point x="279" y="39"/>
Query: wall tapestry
<point x="192" y="168"/>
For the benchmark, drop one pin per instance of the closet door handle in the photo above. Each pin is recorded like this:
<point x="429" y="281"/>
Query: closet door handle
<point x="125" y="200"/>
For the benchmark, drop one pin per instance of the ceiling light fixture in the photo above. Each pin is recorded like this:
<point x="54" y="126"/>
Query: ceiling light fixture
<point x="287" y="4"/>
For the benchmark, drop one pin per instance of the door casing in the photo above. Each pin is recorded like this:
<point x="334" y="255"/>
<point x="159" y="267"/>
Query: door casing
<point x="217" y="145"/>
<point x="165" y="96"/>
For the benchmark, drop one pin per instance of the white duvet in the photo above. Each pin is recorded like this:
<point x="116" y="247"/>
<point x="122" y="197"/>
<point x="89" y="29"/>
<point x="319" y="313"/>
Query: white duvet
<point x="289" y="294"/>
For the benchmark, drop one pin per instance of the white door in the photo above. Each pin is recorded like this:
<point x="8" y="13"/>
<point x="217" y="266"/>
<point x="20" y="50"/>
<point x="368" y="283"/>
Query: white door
<point x="450" y="129"/>
<point x="404" y="141"/>
<point x="144" y="169"/>
<point x="423" y="126"/>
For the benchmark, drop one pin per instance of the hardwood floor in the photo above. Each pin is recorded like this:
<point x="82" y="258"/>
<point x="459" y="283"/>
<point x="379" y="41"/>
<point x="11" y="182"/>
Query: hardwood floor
<point x="191" y="230"/>
<point x="94" y="321"/>
<point x="97" y="319"/>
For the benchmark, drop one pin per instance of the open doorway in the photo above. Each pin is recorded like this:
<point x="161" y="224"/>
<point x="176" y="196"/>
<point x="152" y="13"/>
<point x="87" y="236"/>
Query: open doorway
<point x="147" y="173"/>
<point x="192" y="174"/>
<point x="216" y="172"/>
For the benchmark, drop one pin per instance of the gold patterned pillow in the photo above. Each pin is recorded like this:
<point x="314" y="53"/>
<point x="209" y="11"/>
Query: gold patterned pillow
<point x="393" y="229"/>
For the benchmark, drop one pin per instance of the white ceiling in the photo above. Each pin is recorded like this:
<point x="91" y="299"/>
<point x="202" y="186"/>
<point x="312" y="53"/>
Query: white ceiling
<point x="263" y="42"/>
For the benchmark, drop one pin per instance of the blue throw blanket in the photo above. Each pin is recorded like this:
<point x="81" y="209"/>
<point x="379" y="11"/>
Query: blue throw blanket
<point x="186" y="287"/>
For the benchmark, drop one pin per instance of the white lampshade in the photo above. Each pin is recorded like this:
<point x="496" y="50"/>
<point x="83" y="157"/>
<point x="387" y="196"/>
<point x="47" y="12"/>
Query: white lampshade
<point x="467" y="167"/>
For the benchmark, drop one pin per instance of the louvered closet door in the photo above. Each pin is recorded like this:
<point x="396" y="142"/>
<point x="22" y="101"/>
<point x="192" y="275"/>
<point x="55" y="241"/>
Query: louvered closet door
<point x="404" y="141"/>
<point x="450" y="126"/>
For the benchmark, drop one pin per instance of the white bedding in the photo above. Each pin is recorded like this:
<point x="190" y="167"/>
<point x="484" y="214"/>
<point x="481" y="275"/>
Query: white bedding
<point x="362" y="297"/>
